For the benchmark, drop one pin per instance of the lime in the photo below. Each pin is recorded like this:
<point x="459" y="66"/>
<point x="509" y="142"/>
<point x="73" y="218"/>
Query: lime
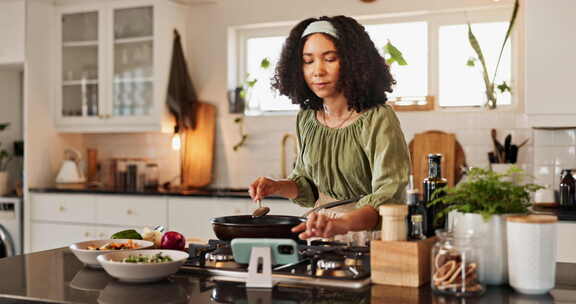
<point x="127" y="234"/>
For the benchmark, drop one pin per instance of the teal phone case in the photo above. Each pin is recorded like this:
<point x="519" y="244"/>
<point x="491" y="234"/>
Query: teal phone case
<point x="283" y="251"/>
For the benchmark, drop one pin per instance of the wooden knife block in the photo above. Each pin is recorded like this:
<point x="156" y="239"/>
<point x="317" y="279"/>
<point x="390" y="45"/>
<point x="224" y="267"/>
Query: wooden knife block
<point x="401" y="263"/>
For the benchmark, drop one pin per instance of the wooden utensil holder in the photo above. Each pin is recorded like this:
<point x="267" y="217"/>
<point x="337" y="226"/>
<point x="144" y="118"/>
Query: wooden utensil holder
<point x="401" y="263"/>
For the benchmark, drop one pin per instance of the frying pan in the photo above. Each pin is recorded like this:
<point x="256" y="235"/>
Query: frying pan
<point x="227" y="228"/>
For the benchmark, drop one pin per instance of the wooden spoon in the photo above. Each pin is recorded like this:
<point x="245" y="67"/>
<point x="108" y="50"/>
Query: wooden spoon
<point x="260" y="211"/>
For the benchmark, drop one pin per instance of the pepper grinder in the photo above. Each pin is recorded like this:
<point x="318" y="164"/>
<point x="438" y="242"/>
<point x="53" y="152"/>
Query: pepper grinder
<point x="394" y="226"/>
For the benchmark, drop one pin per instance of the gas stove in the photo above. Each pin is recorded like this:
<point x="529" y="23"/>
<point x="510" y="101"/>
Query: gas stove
<point x="320" y="263"/>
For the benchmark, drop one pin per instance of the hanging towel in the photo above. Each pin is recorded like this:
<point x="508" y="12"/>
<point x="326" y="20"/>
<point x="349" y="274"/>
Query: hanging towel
<point x="181" y="98"/>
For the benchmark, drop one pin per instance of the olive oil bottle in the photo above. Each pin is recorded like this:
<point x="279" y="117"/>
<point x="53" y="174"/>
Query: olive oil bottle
<point x="433" y="182"/>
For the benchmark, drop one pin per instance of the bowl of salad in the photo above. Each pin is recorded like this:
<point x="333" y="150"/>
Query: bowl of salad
<point x="87" y="251"/>
<point x="142" y="266"/>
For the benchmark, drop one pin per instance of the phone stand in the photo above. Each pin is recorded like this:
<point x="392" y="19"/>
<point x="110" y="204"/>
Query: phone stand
<point x="260" y="268"/>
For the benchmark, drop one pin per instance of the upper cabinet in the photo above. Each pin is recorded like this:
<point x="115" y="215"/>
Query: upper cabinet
<point x="112" y="65"/>
<point x="12" y="32"/>
<point x="550" y="72"/>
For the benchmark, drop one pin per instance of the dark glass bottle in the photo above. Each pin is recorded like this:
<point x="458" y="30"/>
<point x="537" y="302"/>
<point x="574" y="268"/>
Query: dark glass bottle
<point x="567" y="187"/>
<point x="416" y="228"/>
<point x="415" y="208"/>
<point x="433" y="182"/>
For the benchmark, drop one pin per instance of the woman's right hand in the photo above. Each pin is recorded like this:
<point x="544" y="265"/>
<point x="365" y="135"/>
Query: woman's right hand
<point x="263" y="187"/>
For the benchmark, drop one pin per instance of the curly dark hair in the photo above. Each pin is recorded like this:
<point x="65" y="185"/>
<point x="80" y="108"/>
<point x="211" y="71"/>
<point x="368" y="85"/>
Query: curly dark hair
<point x="364" y="75"/>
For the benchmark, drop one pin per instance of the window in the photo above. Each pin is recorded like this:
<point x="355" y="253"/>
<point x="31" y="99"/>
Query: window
<point x="262" y="98"/>
<point x="462" y="85"/>
<point x="411" y="39"/>
<point x="435" y="46"/>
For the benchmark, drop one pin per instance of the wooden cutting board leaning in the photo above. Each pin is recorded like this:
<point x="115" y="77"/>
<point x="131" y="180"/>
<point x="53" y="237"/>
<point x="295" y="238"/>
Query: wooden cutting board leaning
<point x="197" y="153"/>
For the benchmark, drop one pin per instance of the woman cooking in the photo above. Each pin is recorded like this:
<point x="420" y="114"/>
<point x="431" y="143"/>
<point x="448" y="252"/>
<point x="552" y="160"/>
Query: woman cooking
<point x="351" y="143"/>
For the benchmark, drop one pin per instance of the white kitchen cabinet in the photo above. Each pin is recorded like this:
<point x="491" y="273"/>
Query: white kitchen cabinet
<point x="54" y="235"/>
<point x="113" y="61"/>
<point x="71" y="208"/>
<point x="59" y="219"/>
<point x="134" y="211"/>
<point x="548" y="63"/>
<point x="191" y="216"/>
<point x="12" y="32"/>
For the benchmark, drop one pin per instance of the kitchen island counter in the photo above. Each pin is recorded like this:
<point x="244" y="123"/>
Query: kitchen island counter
<point x="56" y="276"/>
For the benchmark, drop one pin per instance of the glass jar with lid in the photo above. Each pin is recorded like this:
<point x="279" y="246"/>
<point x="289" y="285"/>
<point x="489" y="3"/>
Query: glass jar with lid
<point x="455" y="264"/>
<point x="152" y="177"/>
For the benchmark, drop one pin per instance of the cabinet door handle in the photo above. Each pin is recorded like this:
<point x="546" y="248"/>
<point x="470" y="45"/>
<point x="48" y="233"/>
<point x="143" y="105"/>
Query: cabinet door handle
<point x="129" y="212"/>
<point x="87" y="234"/>
<point x="61" y="208"/>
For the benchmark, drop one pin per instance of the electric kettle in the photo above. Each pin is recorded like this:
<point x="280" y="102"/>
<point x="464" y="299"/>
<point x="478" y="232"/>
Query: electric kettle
<point x="70" y="172"/>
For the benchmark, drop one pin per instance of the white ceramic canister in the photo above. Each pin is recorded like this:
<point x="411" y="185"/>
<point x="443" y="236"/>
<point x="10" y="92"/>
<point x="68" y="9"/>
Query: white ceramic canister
<point x="532" y="253"/>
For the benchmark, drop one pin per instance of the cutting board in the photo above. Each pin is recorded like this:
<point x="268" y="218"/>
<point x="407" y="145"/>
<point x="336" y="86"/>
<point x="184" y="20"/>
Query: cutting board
<point x="197" y="153"/>
<point x="453" y="158"/>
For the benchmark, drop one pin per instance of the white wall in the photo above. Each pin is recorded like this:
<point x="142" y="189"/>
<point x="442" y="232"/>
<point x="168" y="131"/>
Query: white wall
<point x="207" y="42"/>
<point x="11" y="112"/>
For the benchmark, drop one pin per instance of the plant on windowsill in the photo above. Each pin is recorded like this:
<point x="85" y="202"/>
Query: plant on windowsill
<point x="393" y="55"/>
<point x="489" y="84"/>
<point x="482" y="202"/>
<point x="240" y="98"/>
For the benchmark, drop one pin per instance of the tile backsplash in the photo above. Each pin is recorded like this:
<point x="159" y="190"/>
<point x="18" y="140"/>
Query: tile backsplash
<point x="153" y="146"/>
<point x="554" y="150"/>
<point x="545" y="154"/>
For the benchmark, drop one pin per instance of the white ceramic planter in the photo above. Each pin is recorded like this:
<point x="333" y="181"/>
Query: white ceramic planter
<point x="3" y="182"/>
<point x="494" y="258"/>
<point x="503" y="168"/>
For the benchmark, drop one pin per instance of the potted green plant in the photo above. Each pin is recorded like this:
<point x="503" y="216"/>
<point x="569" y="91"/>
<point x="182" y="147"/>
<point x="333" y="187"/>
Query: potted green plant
<point x="4" y="160"/>
<point x="480" y="204"/>
<point x="489" y="83"/>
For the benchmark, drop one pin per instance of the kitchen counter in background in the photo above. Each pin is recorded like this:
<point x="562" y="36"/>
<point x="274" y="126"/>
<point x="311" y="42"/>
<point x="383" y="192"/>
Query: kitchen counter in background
<point x="56" y="276"/>
<point x="208" y="192"/>
<point x="562" y="214"/>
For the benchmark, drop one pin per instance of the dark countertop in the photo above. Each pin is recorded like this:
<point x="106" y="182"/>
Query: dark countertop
<point x="562" y="214"/>
<point x="56" y="276"/>
<point x="207" y="192"/>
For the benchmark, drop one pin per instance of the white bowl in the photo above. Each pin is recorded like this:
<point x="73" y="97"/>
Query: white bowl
<point x="88" y="257"/>
<point x="140" y="272"/>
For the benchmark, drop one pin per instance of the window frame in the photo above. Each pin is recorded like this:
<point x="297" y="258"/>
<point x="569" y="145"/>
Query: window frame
<point x="238" y="36"/>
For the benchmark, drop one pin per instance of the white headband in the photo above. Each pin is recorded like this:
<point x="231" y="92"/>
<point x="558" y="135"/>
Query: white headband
<point x="321" y="26"/>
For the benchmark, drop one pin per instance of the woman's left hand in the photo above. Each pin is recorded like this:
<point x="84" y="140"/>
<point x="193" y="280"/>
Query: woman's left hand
<point x="320" y="225"/>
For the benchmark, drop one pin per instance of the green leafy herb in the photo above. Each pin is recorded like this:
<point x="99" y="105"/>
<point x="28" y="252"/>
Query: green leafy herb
<point x="487" y="193"/>
<point x="471" y="62"/>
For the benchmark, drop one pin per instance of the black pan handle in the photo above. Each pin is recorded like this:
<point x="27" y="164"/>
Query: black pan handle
<point x="331" y="205"/>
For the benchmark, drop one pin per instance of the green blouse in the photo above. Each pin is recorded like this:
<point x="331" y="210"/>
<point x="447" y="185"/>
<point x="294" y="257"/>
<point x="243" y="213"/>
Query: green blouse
<point x="367" y="158"/>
